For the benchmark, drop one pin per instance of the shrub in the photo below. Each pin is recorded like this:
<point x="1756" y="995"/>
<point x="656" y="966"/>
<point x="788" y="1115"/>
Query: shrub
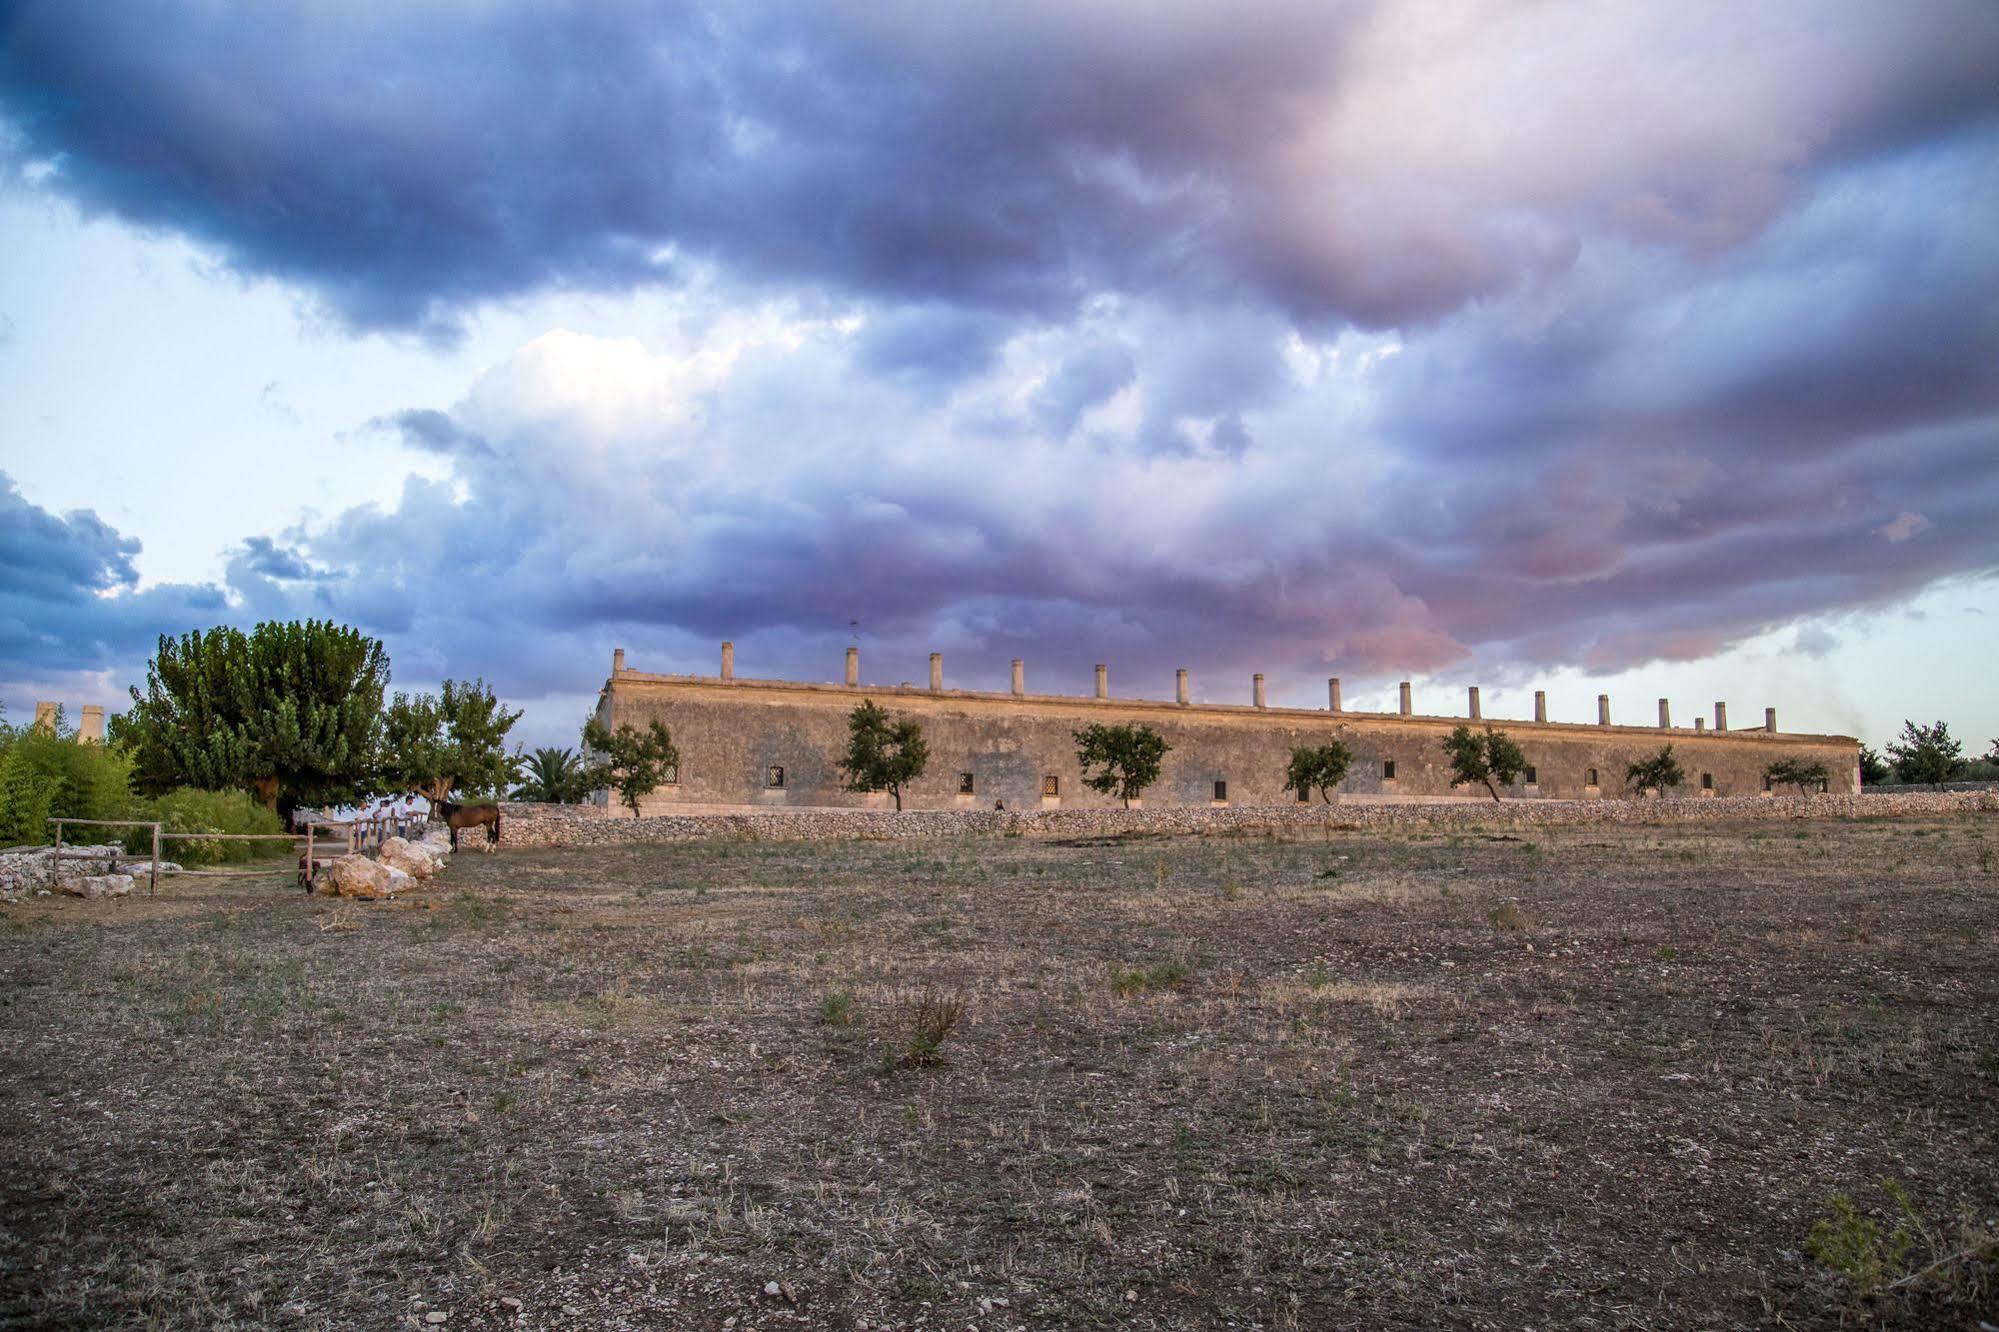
<point x="189" y="810"/>
<point x="1137" y="980"/>
<point x="45" y="775"/>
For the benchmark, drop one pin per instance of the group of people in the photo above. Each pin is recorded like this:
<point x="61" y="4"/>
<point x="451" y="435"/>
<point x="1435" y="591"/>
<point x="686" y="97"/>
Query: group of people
<point x="373" y="822"/>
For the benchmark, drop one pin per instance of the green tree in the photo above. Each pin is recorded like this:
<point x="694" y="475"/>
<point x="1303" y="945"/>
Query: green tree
<point x="882" y="754"/>
<point x="46" y="774"/>
<point x="290" y="712"/>
<point x="455" y="739"/>
<point x="554" y="777"/>
<point x="1926" y="754"/>
<point x="1491" y="759"/>
<point x="630" y="761"/>
<point x="1318" y="768"/>
<point x="1129" y="755"/>
<point x="1807" y="777"/>
<point x="1873" y="770"/>
<point x="1661" y="772"/>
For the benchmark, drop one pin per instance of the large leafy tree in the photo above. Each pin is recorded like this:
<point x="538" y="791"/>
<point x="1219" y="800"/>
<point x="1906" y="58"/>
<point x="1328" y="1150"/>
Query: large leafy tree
<point x="1661" y="772"/>
<point x="1129" y="755"/>
<point x="552" y="776"/>
<point x="883" y="753"/>
<point x="1926" y="754"/>
<point x="630" y="761"/>
<point x="455" y="739"/>
<point x="291" y="712"/>
<point x="1491" y="759"/>
<point x="1318" y="768"/>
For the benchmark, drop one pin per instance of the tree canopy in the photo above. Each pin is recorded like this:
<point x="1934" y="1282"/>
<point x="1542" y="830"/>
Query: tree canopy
<point x="1874" y="769"/>
<point x="1926" y="754"/>
<point x="1805" y="776"/>
<point x="1491" y="759"/>
<point x="631" y="762"/>
<point x="1661" y="772"/>
<point x="552" y="776"/>
<point x="1129" y="755"/>
<point x="291" y="712"/>
<point x="883" y="754"/>
<point x="454" y="739"/>
<point x="1318" y="768"/>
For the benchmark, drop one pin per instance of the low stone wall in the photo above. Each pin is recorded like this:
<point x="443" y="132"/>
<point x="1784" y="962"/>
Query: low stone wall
<point x="564" y="825"/>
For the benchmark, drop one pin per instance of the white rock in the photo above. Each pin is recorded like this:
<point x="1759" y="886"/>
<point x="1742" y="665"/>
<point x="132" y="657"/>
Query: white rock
<point x="409" y="857"/>
<point x="354" y="876"/>
<point x="770" y="1288"/>
<point x="98" y="885"/>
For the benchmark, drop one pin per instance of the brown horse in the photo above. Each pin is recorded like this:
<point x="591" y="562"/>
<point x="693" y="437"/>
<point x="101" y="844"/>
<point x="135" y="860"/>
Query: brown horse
<point x="468" y="816"/>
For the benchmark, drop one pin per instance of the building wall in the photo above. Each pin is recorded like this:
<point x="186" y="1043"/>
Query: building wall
<point x="732" y="732"/>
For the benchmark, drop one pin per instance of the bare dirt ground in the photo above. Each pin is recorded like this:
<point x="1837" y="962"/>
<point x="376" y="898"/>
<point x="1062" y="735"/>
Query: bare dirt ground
<point x="1593" y="1078"/>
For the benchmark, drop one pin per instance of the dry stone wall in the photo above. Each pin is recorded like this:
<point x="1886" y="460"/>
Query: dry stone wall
<point x="558" y="825"/>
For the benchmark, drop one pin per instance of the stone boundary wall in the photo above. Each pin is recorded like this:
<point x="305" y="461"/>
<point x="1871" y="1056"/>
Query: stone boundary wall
<point x="562" y="825"/>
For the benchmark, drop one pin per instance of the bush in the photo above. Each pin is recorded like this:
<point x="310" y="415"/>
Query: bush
<point x="45" y="776"/>
<point x="189" y="810"/>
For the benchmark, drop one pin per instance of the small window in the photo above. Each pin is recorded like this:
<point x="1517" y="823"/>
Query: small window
<point x="1388" y="770"/>
<point x="964" y="783"/>
<point x="1707" y="781"/>
<point x="1589" y="778"/>
<point x="1221" y="790"/>
<point x="774" y="779"/>
<point x="1532" y="780"/>
<point x="1304" y="795"/>
<point x="670" y="775"/>
<point x="1824" y="786"/>
<point x="1051" y="785"/>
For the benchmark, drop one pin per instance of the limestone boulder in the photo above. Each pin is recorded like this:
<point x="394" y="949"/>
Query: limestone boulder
<point x="357" y="876"/>
<point x="412" y="858"/>
<point x="98" y="885"/>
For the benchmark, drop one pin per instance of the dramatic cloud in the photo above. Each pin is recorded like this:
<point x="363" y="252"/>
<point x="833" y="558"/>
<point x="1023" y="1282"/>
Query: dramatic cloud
<point x="1356" y="338"/>
<point x="1369" y="162"/>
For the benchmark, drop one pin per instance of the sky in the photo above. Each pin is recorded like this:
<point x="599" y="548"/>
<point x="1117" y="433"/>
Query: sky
<point x="1643" y="349"/>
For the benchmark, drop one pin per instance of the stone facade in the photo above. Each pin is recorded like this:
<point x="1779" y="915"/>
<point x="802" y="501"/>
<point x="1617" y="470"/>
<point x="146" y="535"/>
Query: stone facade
<point x="774" y="744"/>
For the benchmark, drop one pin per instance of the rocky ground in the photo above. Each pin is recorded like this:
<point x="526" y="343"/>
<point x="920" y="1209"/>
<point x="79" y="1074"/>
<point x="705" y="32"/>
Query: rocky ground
<point x="1603" y="1077"/>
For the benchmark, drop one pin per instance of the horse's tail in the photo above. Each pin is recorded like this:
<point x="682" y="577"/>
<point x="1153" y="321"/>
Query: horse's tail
<point x="493" y="836"/>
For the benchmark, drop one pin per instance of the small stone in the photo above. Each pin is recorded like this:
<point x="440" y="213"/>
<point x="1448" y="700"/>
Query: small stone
<point x="510" y="1302"/>
<point x="436" y="1316"/>
<point x="770" y="1288"/>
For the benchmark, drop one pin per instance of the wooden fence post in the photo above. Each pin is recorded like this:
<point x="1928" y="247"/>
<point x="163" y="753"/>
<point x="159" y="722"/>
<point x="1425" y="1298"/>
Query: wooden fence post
<point x="55" y="861"/>
<point x="153" y="885"/>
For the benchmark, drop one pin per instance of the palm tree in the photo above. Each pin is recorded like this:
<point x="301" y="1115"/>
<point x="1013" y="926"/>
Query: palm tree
<point x="553" y="777"/>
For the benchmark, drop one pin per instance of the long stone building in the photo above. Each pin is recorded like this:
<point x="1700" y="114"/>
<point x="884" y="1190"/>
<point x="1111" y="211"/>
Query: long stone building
<point x="764" y="743"/>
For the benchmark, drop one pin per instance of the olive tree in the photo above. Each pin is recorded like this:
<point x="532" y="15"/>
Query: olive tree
<point x="630" y="761"/>
<point x="883" y="753"/>
<point x="1129" y="755"/>
<point x="1318" y="768"/>
<point x="1486" y="759"/>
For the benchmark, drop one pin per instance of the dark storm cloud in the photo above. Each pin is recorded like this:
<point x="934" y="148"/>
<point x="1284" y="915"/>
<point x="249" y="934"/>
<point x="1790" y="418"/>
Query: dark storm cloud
<point x="406" y="162"/>
<point x="68" y="596"/>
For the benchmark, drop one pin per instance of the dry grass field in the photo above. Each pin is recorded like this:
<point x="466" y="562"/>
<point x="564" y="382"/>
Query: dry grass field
<point x="1595" y="1078"/>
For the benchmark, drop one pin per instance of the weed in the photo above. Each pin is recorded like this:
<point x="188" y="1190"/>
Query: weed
<point x="1127" y="982"/>
<point x="1508" y="916"/>
<point x="1667" y="953"/>
<point x="837" y="1008"/>
<point x="936" y="1016"/>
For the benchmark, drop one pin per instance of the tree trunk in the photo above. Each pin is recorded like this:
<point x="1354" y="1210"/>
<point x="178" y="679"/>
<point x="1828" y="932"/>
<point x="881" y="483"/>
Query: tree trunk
<point x="896" y="791"/>
<point x="267" y="792"/>
<point x="1495" y="791"/>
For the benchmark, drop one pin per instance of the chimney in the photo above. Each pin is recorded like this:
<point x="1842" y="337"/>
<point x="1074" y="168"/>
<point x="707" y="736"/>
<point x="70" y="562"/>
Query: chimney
<point x="1019" y="677"/>
<point x="1407" y="708"/>
<point x="1603" y="709"/>
<point x="1473" y="698"/>
<point x="1769" y="720"/>
<point x="1540" y="705"/>
<point x="45" y="716"/>
<point x="728" y="661"/>
<point x="936" y="672"/>
<point x="91" y="727"/>
<point x="1665" y="715"/>
<point x="617" y="660"/>
<point x="853" y="667"/>
<point x="1721" y="716"/>
<point x="1256" y="688"/>
<point x="1180" y="686"/>
<point x="1333" y="693"/>
<point x="1103" y="681"/>
<point x="1700" y="723"/>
